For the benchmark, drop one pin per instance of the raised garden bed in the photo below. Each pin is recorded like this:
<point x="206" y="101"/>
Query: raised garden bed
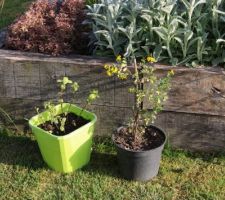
<point x="193" y="117"/>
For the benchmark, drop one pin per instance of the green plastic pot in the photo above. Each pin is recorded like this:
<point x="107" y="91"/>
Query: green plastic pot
<point x="65" y="153"/>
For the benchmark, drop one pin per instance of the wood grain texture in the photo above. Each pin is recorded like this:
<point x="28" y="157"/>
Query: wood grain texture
<point x="195" y="132"/>
<point x="200" y="91"/>
<point x="194" y="116"/>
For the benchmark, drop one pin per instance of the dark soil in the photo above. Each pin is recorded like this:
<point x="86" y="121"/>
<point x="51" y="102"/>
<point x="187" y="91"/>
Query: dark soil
<point x="73" y="122"/>
<point x="152" y="138"/>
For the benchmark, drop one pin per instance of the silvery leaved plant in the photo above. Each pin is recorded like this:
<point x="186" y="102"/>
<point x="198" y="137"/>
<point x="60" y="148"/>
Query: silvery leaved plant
<point x="189" y="32"/>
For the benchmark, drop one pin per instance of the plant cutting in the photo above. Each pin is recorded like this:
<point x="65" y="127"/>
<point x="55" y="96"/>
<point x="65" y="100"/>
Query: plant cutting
<point x="64" y="131"/>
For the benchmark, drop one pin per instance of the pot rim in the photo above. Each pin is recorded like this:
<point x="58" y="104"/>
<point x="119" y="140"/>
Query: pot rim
<point x="93" y="121"/>
<point x="141" y="151"/>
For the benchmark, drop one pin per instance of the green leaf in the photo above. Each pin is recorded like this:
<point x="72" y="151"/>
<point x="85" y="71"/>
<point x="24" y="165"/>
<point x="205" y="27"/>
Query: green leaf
<point x="157" y="52"/>
<point x="75" y="86"/>
<point x="66" y="80"/>
<point x="92" y="96"/>
<point x="161" y="31"/>
<point x="174" y="61"/>
<point x="220" y="41"/>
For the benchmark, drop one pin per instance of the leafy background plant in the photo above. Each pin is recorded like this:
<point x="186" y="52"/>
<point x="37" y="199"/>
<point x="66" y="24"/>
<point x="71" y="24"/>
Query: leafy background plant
<point x="49" y="28"/>
<point x="177" y="32"/>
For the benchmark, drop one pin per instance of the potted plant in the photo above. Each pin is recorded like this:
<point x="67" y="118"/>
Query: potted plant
<point x="64" y="131"/>
<point x="119" y="29"/>
<point x="139" y="144"/>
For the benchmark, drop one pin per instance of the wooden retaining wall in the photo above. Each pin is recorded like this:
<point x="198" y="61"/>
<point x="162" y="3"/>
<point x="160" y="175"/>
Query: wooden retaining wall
<point x="193" y="118"/>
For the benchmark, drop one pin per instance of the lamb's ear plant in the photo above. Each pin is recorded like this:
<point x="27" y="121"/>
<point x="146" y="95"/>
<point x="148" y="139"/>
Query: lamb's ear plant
<point x="183" y="32"/>
<point x="59" y="120"/>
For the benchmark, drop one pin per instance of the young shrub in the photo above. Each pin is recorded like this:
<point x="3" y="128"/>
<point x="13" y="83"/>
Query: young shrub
<point x="142" y="74"/>
<point x="48" y="27"/>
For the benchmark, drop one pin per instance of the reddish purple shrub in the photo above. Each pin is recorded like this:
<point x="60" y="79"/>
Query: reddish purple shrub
<point x="45" y="29"/>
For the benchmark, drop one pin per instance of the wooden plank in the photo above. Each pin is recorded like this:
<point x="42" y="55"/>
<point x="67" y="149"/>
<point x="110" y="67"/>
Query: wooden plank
<point x="109" y="118"/>
<point x="195" y="113"/>
<point x="193" y="90"/>
<point x="37" y="80"/>
<point x="27" y="80"/>
<point x="73" y="59"/>
<point x="2" y="88"/>
<point x="122" y="97"/>
<point x="193" y="132"/>
<point x="8" y="87"/>
<point x="90" y="78"/>
<point x="187" y="131"/>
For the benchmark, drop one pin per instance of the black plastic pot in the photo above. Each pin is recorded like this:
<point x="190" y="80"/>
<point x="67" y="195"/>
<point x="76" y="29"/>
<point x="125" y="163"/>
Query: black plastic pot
<point x="140" y="165"/>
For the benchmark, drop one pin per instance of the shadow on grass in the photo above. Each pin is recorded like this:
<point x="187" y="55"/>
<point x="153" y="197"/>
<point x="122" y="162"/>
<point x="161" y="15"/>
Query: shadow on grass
<point x="21" y="151"/>
<point x="103" y="164"/>
<point x="103" y="159"/>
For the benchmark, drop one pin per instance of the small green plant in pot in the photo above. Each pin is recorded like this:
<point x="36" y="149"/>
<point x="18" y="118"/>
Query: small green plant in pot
<point x="64" y="131"/>
<point x="139" y="144"/>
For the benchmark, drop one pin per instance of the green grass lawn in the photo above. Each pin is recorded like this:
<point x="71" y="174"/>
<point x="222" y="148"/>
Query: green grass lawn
<point x="23" y="175"/>
<point x="11" y="10"/>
